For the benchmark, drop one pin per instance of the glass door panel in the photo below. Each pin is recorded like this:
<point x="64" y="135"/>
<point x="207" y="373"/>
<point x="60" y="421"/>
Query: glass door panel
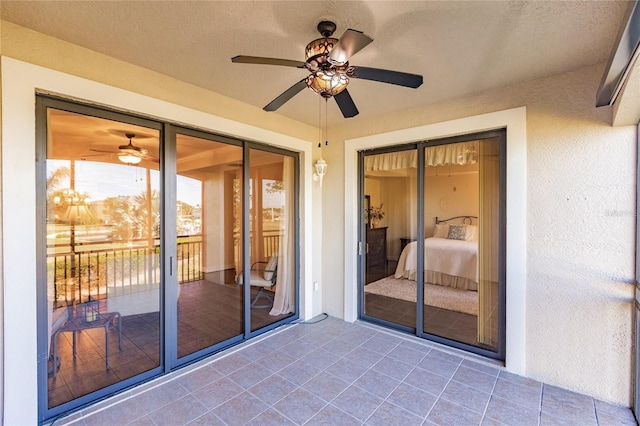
<point x="209" y="236"/>
<point x="461" y="254"/>
<point x="103" y="256"/>
<point x="272" y="238"/>
<point x="390" y="207"/>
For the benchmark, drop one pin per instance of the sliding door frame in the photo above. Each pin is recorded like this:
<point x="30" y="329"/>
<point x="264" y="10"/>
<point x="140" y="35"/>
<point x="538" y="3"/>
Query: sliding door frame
<point x="43" y="103"/>
<point x="362" y="241"/>
<point x="501" y="135"/>
<point x="171" y="347"/>
<point x="246" y="255"/>
<point x="168" y="360"/>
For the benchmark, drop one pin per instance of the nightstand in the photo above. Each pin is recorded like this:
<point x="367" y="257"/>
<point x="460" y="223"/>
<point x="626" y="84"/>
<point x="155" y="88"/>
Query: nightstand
<point x="404" y="241"/>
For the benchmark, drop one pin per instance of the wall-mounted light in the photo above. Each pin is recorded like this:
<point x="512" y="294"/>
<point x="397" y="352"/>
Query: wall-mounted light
<point x="321" y="169"/>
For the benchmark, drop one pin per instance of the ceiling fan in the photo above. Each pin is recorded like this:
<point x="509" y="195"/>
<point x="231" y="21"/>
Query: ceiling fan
<point x="327" y="59"/>
<point x="129" y="154"/>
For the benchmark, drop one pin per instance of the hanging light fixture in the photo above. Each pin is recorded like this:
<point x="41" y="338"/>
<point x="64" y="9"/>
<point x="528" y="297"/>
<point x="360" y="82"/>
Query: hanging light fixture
<point x="128" y="158"/>
<point x="130" y="154"/>
<point x="326" y="79"/>
<point x="327" y="83"/>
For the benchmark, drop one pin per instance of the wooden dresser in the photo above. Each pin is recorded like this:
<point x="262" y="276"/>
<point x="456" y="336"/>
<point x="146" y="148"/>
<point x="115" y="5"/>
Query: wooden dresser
<point x="377" y="254"/>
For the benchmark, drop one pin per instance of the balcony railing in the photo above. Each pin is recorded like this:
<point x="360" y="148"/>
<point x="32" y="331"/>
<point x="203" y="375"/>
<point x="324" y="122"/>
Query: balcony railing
<point x="110" y="268"/>
<point x="103" y="269"/>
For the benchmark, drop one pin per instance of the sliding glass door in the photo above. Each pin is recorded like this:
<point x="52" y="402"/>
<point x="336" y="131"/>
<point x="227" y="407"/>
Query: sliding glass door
<point x="440" y="240"/>
<point x="390" y="180"/>
<point x="102" y="262"/>
<point x="208" y="236"/>
<point x="272" y="238"/>
<point x="148" y="234"/>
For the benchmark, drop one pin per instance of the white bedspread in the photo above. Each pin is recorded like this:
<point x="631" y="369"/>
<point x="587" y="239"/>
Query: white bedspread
<point x="451" y="257"/>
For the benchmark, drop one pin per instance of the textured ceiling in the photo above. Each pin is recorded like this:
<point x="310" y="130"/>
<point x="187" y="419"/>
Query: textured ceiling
<point x="459" y="47"/>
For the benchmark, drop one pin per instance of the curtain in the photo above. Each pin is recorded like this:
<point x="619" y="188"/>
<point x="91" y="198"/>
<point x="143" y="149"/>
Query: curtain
<point x="391" y="161"/>
<point x="451" y="154"/>
<point x="441" y="155"/>
<point x="488" y="250"/>
<point x="284" y="300"/>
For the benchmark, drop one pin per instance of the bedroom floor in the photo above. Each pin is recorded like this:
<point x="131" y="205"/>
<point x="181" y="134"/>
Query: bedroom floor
<point x="459" y="326"/>
<point x="337" y="373"/>
<point x="452" y="325"/>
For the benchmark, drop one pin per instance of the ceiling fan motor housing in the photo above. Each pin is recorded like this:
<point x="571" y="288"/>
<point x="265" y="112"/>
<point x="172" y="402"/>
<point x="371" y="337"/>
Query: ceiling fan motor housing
<point x="326" y="28"/>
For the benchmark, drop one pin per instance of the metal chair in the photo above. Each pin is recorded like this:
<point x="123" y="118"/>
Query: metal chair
<point x="263" y="277"/>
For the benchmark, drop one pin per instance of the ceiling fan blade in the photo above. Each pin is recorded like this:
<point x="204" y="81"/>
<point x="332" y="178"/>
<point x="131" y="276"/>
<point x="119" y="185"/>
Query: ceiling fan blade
<point x="104" y="154"/>
<point x="267" y="61"/>
<point x="350" y="43"/>
<point x="151" y="158"/>
<point x="102" y="151"/>
<point x="346" y="104"/>
<point x="288" y="94"/>
<point x="387" y="76"/>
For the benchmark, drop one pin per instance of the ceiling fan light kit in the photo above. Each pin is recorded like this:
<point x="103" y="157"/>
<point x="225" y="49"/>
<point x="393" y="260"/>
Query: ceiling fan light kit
<point x="130" y="154"/>
<point x="327" y="60"/>
<point x="128" y="158"/>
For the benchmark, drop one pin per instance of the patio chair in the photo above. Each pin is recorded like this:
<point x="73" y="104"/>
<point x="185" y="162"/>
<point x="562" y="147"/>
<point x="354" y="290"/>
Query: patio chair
<point x="262" y="275"/>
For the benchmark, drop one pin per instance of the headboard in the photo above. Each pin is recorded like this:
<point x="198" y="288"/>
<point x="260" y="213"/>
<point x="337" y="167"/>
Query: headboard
<point x="468" y="220"/>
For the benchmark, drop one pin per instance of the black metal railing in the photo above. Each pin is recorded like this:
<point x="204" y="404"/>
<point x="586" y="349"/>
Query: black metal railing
<point x="95" y="269"/>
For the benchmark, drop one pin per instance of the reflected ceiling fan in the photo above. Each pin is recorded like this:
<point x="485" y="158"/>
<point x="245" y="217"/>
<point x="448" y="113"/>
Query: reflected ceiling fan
<point x="327" y="59"/>
<point x="129" y="154"/>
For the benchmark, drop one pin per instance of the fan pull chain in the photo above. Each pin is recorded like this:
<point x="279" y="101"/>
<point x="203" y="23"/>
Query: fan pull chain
<point x="326" y="129"/>
<point x="319" y="122"/>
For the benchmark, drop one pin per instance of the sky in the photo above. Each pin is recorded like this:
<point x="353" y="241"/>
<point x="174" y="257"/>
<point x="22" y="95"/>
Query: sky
<point x="104" y="180"/>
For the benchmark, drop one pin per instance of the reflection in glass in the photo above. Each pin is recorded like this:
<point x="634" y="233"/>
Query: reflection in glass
<point x="103" y="265"/>
<point x="272" y="251"/>
<point x="390" y="206"/>
<point x="209" y="229"/>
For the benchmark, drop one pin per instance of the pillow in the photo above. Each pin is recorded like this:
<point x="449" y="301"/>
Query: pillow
<point x="271" y="267"/>
<point x="441" y="231"/>
<point x="457" y="232"/>
<point x="472" y="233"/>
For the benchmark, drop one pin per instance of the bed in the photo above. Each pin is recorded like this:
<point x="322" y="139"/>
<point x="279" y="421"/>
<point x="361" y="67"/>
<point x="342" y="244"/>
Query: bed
<point x="450" y="256"/>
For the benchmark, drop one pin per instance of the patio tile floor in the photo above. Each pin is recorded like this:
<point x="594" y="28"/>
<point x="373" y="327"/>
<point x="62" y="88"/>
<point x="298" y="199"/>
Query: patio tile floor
<point x="346" y="374"/>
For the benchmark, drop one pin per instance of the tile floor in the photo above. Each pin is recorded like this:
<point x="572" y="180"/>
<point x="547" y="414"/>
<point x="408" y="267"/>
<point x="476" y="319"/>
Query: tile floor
<point x="203" y="304"/>
<point x="337" y="373"/>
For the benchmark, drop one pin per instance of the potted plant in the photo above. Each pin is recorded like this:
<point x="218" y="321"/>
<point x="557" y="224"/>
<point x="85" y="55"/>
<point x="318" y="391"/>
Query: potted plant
<point x="375" y="215"/>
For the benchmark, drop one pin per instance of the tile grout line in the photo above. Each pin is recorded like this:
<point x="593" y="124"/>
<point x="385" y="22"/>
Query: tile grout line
<point x="484" y="413"/>
<point x="326" y="404"/>
<point x="398" y="385"/>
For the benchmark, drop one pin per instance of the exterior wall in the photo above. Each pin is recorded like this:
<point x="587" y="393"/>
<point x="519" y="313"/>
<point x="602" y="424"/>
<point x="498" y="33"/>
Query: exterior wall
<point x="580" y="227"/>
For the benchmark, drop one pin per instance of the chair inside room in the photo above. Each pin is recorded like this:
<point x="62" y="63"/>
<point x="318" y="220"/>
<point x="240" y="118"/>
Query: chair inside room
<point x="263" y="276"/>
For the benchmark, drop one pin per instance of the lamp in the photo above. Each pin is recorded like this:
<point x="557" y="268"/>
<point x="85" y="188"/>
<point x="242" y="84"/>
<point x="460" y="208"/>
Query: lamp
<point x="326" y="79"/>
<point x="128" y="158"/>
<point x="321" y="169"/>
<point x="327" y="83"/>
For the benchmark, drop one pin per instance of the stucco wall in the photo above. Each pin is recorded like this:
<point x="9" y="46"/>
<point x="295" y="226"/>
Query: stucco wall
<point x="580" y="227"/>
